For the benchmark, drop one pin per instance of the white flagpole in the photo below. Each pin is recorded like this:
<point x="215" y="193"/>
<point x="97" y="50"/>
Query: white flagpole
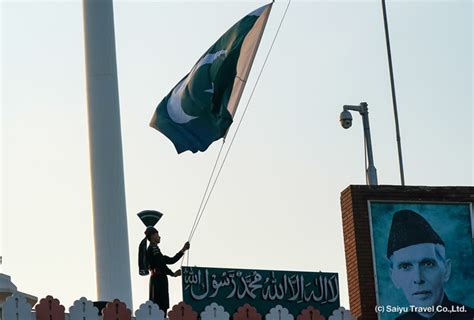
<point x="105" y="143"/>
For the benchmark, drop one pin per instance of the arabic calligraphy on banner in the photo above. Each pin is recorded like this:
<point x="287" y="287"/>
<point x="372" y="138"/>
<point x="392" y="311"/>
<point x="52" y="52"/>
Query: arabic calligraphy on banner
<point x="262" y="289"/>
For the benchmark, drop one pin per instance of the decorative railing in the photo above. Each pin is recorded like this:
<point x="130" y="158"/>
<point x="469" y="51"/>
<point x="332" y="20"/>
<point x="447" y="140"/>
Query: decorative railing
<point x="16" y="307"/>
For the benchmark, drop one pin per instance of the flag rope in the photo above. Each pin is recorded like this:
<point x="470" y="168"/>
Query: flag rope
<point x="206" y="195"/>
<point x="202" y="200"/>
<point x="205" y="192"/>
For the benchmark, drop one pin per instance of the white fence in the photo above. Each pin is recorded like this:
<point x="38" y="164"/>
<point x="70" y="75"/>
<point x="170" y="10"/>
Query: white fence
<point x="16" y="307"/>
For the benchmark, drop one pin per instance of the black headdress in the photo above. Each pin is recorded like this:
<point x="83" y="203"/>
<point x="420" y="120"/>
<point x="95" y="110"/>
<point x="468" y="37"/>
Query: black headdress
<point x="149" y="218"/>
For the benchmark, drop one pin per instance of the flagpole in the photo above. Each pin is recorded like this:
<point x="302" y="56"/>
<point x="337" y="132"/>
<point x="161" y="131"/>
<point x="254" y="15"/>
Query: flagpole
<point x="105" y="144"/>
<point x="394" y="98"/>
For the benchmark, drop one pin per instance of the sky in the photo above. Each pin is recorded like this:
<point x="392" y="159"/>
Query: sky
<point x="276" y="205"/>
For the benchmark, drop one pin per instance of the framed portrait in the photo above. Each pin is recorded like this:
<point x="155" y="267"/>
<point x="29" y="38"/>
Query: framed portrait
<point x="423" y="258"/>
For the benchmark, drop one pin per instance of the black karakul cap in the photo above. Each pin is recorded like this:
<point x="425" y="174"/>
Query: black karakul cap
<point x="409" y="228"/>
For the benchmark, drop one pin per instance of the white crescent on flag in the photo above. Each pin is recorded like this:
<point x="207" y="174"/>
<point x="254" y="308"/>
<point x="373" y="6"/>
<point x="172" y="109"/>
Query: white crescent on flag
<point x="174" y="107"/>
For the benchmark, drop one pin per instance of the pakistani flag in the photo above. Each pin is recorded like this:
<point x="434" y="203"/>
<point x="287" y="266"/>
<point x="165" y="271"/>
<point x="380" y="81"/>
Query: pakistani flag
<point x="200" y="108"/>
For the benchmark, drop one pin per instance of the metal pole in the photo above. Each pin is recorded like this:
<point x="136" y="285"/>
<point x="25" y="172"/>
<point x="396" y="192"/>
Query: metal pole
<point x="105" y="144"/>
<point x="346" y="121"/>
<point x="371" y="171"/>
<point x="394" y="98"/>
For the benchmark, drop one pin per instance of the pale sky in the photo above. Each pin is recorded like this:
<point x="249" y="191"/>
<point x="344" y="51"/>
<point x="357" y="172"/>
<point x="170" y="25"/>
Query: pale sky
<point x="276" y="205"/>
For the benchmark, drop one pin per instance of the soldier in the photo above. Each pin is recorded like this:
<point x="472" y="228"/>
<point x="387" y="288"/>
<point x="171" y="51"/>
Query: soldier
<point x="151" y="260"/>
<point x="159" y="270"/>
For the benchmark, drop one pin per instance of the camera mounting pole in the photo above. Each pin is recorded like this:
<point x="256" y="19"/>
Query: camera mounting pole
<point x="363" y="110"/>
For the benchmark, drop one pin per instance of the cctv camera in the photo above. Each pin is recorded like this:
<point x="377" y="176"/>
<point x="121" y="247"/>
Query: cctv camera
<point x="346" y="119"/>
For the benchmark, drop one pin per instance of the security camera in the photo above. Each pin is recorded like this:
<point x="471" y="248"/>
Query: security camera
<point x="346" y="119"/>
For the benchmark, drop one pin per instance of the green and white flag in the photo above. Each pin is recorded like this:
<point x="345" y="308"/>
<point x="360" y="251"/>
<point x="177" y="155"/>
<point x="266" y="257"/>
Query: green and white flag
<point x="200" y="108"/>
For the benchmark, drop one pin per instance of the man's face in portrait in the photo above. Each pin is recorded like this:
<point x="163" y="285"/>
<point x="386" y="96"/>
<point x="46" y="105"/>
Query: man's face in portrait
<point x="421" y="270"/>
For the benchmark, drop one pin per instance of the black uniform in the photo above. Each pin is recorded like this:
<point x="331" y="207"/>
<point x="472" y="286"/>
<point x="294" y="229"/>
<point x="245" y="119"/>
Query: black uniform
<point x="159" y="275"/>
<point x="468" y="315"/>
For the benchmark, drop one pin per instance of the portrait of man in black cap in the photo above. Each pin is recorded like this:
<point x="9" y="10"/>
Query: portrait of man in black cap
<point x="420" y="267"/>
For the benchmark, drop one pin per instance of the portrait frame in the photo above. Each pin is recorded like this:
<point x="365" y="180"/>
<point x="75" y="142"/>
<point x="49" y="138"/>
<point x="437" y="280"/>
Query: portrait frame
<point x="458" y="236"/>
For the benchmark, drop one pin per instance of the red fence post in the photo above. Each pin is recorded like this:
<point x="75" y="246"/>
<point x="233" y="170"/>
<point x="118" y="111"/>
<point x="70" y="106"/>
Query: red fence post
<point x="49" y="309"/>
